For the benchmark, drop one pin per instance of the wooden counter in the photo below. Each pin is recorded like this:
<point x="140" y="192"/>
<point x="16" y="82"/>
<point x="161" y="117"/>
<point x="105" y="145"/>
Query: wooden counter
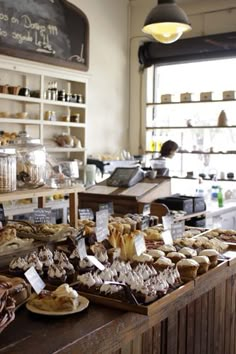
<point x="201" y="320"/>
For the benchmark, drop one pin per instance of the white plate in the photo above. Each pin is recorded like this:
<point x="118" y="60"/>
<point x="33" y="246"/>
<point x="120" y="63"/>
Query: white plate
<point x="84" y="302"/>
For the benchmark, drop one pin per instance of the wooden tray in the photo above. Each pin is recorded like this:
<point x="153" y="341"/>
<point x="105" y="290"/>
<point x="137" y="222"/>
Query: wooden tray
<point x="142" y="309"/>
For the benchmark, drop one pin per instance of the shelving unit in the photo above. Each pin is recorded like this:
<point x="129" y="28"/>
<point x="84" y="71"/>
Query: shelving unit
<point x="194" y="126"/>
<point x="37" y="77"/>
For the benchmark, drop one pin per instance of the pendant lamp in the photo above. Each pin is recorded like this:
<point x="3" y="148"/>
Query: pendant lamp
<point x="166" y="22"/>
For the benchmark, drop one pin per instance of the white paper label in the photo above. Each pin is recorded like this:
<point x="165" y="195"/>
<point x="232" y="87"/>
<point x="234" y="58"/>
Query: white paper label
<point x="139" y="244"/>
<point x="167" y="237"/>
<point x="96" y="262"/>
<point x="35" y="280"/>
<point x="167" y="221"/>
<point x="82" y="248"/>
<point x="102" y="225"/>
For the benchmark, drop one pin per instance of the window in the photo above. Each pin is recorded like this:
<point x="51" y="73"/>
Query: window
<point x="205" y="146"/>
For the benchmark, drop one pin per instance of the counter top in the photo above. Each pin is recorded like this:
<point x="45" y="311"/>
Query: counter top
<point x="214" y="210"/>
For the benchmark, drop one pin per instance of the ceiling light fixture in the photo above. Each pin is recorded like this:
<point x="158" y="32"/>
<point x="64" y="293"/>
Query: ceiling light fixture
<point x="166" y="22"/>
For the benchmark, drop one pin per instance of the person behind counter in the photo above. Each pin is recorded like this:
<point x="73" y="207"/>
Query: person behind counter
<point x="168" y="150"/>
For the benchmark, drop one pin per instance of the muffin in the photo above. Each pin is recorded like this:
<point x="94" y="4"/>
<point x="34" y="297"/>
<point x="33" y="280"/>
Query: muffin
<point x="155" y="253"/>
<point x="188" y="252"/>
<point x="56" y="274"/>
<point x="143" y="258"/>
<point x="163" y="263"/>
<point x="33" y="261"/>
<point x="69" y="268"/>
<point x="75" y="257"/>
<point x="46" y="257"/>
<point x="203" y="262"/>
<point x="212" y="255"/>
<point x="187" y="269"/>
<point x="175" y="256"/>
<point x="85" y="265"/>
<point x="167" y="248"/>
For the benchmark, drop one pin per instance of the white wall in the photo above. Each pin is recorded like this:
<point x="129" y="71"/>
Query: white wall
<point x="206" y="17"/>
<point x="108" y="107"/>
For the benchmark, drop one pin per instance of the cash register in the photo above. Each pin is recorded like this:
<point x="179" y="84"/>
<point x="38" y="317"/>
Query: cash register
<point x="125" y="177"/>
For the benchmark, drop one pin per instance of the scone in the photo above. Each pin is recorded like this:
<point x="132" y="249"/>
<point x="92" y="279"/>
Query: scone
<point x="212" y="255"/>
<point x="187" y="269"/>
<point x="203" y="262"/>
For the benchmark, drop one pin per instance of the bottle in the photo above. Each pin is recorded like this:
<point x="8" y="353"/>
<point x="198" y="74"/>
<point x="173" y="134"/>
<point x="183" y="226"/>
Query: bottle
<point x="214" y="189"/>
<point x="220" y="198"/>
<point x="200" y="192"/>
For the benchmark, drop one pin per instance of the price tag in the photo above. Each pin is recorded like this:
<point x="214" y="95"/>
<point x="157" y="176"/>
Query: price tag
<point x="82" y="248"/>
<point x="101" y="225"/>
<point x="43" y="216"/>
<point x="145" y="222"/>
<point x="107" y="206"/>
<point x="86" y="214"/>
<point x="167" y="221"/>
<point x="177" y="229"/>
<point x="146" y="209"/>
<point x="167" y="237"/>
<point x="139" y="244"/>
<point x="35" y="280"/>
<point x="96" y="262"/>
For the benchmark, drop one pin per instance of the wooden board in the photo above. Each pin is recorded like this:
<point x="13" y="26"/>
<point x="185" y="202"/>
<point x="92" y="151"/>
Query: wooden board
<point x="139" y="189"/>
<point x="142" y="309"/>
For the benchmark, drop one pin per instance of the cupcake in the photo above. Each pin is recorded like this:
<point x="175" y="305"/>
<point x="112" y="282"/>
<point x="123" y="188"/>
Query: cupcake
<point x="46" y="257"/>
<point x="203" y="262"/>
<point x="56" y="274"/>
<point x="188" y="252"/>
<point x="33" y="261"/>
<point x="167" y="248"/>
<point x="212" y="255"/>
<point x="84" y="266"/>
<point x="175" y="256"/>
<point x="155" y="253"/>
<point x="187" y="269"/>
<point x="75" y="257"/>
<point x="18" y="266"/>
<point x="68" y="267"/>
<point x="162" y="263"/>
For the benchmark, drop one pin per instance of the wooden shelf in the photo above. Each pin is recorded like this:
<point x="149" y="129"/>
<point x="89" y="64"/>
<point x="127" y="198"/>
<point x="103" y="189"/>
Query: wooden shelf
<point x="191" y="102"/>
<point x="19" y="121"/>
<point x="64" y="124"/>
<point x="195" y="127"/>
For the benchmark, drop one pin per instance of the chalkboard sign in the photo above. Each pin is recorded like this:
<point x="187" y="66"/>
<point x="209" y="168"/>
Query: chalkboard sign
<point x="50" y="31"/>
<point x="42" y="216"/>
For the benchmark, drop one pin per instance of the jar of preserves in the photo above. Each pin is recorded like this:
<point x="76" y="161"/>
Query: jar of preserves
<point x="30" y="161"/>
<point x="7" y="171"/>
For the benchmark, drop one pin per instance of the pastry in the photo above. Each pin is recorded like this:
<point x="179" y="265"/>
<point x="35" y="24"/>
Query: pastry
<point x="143" y="258"/>
<point x="163" y="263"/>
<point x="188" y="252"/>
<point x="212" y="255"/>
<point x="56" y="274"/>
<point x="175" y="256"/>
<point x="155" y="253"/>
<point x="188" y="269"/>
<point x="167" y="248"/>
<point x="203" y="262"/>
<point x="64" y="298"/>
<point x="17" y="288"/>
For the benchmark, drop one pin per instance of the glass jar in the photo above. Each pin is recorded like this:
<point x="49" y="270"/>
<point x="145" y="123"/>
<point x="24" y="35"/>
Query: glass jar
<point x="30" y="162"/>
<point x="7" y="172"/>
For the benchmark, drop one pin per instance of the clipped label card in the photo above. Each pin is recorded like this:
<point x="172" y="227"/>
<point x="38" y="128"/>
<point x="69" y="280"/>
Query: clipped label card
<point x="167" y="237"/>
<point x="86" y="214"/>
<point x="107" y="206"/>
<point x="101" y="225"/>
<point x="35" y="280"/>
<point x="145" y="222"/>
<point x="139" y="244"/>
<point x="177" y="229"/>
<point x="146" y="209"/>
<point x="167" y="221"/>
<point x="82" y="248"/>
<point x="43" y="216"/>
<point x="96" y="262"/>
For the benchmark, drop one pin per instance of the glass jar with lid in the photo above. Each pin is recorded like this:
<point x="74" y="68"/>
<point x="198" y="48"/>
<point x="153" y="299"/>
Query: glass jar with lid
<point x="7" y="171"/>
<point x="30" y="161"/>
